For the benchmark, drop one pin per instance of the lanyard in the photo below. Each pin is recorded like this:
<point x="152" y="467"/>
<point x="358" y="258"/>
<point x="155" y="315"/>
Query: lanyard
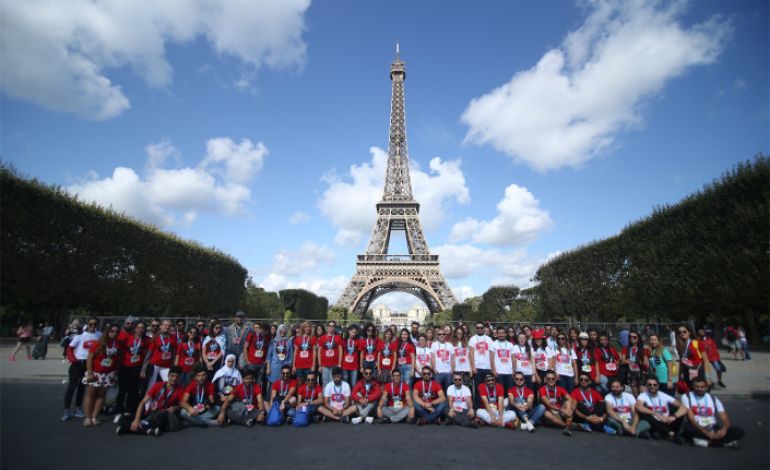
<point x="386" y="349"/>
<point x="260" y="341"/>
<point x="607" y="356"/>
<point x="520" y="393"/>
<point x="330" y="343"/>
<point x="369" y="345"/>
<point x="426" y="392"/>
<point x="305" y="342"/>
<point x="284" y="391"/>
<point x="110" y="350"/>
<point x="199" y="391"/>
<point x="701" y="409"/>
<point x="589" y="401"/>
<point x="136" y="346"/>
<point x="190" y="349"/>
<point x="400" y="389"/>
<point x="251" y="394"/>
<point x="491" y="394"/>
<point x="312" y="392"/>
<point x="160" y="399"/>
<point x="584" y="356"/>
<point x="659" y="405"/>
<point x="687" y="350"/>
<point x="402" y="351"/>
<point x="367" y="386"/>
<point x="351" y="346"/>
<point x="163" y="344"/>
<point x="632" y="354"/>
<point x="337" y="393"/>
<point x="548" y="393"/>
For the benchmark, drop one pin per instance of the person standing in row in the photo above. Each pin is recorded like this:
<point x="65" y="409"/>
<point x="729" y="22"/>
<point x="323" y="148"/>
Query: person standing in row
<point x="213" y="348"/>
<point x="135" y="349"/>
<point x="405" y="351"/>
<point x="235" y="334"/>
<point x="565" y="363"/>
<point x="304" y="358"/>
<point x="351" y="355"/>
<point x="330" y="353"/>
<point x="441" y="359"/>
<point x="77" y="353"/>
<point x="101" y="373"/>
<point x="480" y="347"/>
<point x="187" y="354"/>
<point x="502" y="365"/>
<point x="386" y="356"/>
<point x="162" y="350"/>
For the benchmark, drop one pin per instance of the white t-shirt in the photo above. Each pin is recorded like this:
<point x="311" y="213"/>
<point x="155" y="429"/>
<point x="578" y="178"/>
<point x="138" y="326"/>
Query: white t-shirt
<point x="442" y="353"/>
<point x="457" y="398"/>
<point x="622" y="405"/>
<point x="658" y="403"/>
<point x="704" y="408"/>
<point x="421" y="357"/>
<point x="541" y="357"/>
<point x="503" y="352"/>
<point x="462" y="358"/>
<point x="523" y="361"/>
<point x="337" y="394"/>
<point x="481" y="345"/>
<point x="563" y="361"/>
<point x="82" y="343"/>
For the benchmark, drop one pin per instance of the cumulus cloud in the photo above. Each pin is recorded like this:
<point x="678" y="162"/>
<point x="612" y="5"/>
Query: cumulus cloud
<point x="460" y="261"/>
<point x="519" y="221"/>
<point x="58" y="54"/>
<point x="350" y="202"/>
<point x="309" y="257"/>
<point x="464" y="292"/>
<point x="571" y="105"/>
<point x="298" y="217"/>
<point x="170" y="196"/>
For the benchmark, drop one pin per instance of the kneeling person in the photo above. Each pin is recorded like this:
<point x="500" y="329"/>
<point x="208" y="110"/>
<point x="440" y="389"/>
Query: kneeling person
<point x="310" y="395"/>
<point x="396" y="401"/>
<point x="245" y="405"/>
<point x="156" y="413"/>
<point x="366" y="394"/>
<point x="198" y="406"/>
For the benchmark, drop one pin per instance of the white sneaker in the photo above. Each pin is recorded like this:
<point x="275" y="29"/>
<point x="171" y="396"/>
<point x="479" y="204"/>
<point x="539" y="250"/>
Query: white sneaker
<point x="530" y="427"/>
<point x="733" y="445"/>
<point x="700" y="442"/>
<point x="117" y="418"/>
<point x="357" y="420"/>
<point x="369" y="420"/>
<point x="524" y="427"/>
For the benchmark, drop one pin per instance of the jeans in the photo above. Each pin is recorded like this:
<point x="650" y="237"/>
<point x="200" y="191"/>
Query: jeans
<point x="395" y="414"/>
<point x="406" y="373"/>
<point x="207" y="418"/>
<point x="364" y="411"/>
<point x="326" y="376"/>
<point x="567" y="382"/>
<point x="438" y="411"/>
<point x="445" y="380"/>
<point x="618" y="426"/>
<point x="478" y="379"/>
<point x="598" y="410"/>
<point x="238" y="413"/>
<point x="157" y="373"/>
<point x="506" y="380"/>
<point x="163" y="420"/>
<point x="350" y="376"/>
<point x="76" y="371"/>
<point x="534" y="415"/>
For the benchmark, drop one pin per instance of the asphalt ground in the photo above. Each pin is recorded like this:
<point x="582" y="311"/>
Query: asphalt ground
<point x="33" y="437"/>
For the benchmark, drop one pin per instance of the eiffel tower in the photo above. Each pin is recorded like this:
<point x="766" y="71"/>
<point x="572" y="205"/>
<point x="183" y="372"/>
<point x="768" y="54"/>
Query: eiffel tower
<point x="377" y="271"/>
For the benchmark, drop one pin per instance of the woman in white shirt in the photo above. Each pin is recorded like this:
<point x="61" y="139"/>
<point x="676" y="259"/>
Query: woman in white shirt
<point x="522" y="357"/>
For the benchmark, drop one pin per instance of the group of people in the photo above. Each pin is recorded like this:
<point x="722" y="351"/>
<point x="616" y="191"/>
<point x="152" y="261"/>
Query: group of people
<point x="207" y="375"/>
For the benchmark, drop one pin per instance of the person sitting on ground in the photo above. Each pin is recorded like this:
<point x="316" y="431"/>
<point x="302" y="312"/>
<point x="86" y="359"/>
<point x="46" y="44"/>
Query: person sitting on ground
<point x="656" y="408"/>
<point x="336" y="405"/>
<point x="156" y="413"/>
<point x="198" y="401"/>
<point x="429" y="399"/>
<point x="310" y="395"/>
<point x="460" y="409"/>
<point x="284" y="391"/>
<point x="226" y="379"/>
<point x="590" y="411"/>
<point x="522" y="401"/>
<point x="621" y="412"/>
<point x="244" y="404"/>
<point x="558" y="403"/>
<point x="366" y="394"/>
<point x="492" y="410"/>
<point x="707" y="421"/>
<point x="396" y="401"/>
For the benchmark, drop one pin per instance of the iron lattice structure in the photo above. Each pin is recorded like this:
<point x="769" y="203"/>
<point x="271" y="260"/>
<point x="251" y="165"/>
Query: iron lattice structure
<point x="377" y="272"/>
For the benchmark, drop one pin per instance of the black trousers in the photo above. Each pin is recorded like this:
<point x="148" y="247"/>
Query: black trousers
<point x="76" y="372"/>
<point x="478" y="379"/>
<point x="662" y="428"/>
<point x="733" y="433"/>
<point x="129" y="384"/>
<point x="163" y="420"/>
<point x="599" y="409"/>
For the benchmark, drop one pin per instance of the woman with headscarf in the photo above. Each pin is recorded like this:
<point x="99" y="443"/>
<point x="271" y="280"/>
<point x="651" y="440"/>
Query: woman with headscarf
<point x="280" y="353"/>
<point x="226" y="378"/>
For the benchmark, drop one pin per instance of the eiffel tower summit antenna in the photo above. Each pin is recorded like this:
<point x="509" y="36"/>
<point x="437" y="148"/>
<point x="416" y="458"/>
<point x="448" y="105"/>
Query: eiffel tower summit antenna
<point x="377" y="271"/>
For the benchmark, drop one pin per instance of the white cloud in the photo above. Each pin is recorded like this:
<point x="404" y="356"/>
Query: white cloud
<point x="165" y="197"/>
<point x="58" y="54"/>
<point x="519" y="221"/>
<point x="309" y="257"/>
<point x="463" y="292"/>
<point x="350" y="203"/>
<point x="571" y="105"/>
<point x="298" y="217"/>
<point x="459" y="261"/>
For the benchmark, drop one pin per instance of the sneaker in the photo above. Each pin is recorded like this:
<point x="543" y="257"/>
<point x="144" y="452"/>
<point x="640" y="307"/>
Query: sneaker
<point x="95" y="422"/>
<point x="79" y="413"/>
<point x="149" y="432"/>
<point x="249" y="422"/>
<point x="449" y="422"/>
<point x="156" y="432"/>
<point x="678" y="440"/>
<point x="733" y="445"/>
<point x="566" y="432"/>
<point x="369" y="420"/>
<point x="510" y="425"/>
<point x="120" y="430"/>
<point x="357" y="420"/>
<point x="722" y="384"/>
<point x="422" y="422"/>
<point x="384" y="420"/>
<point x="66" y="415"/>
<point x="645" y="435"/>
<point x="530" y="427"/>
<point x="585" y="427"/>
<point x="117" y="418"/>
<point x="697" y="442"/>
<point x="524" y="427"/>
<point x="289" y="420"/>
<point x="609" y="430"/>
<point x="411" y="420"/>
<point x="345" y="419"/>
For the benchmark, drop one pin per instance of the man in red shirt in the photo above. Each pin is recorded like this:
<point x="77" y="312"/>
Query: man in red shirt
<point x="492" y="411"/>
<point x="161" y="352"/>
<point x="198" y="406"/>
<point x="558" y="404"/>
<point x="255" y="350"/>
<point x="245" y="406"/>
<point x="712" y="353"/>
<point x="429" y="399"/>
<point x="365" y="395"/>
<point x="590" y="410"/>
<point x="156" y="413"/>
<point x="283" y="391"/>
<point x="608" y="362"/>
<point x="329" y="353"/>
<point x="522" y="402"/>
<point x="310" y="395"/>
<point x="396" y="401"/>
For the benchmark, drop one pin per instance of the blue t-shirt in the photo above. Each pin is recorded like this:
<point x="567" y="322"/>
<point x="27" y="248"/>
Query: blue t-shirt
<point x="659" y="365"/>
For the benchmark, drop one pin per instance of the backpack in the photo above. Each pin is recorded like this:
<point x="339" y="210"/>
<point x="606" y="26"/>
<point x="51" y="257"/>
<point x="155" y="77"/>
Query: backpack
<point x="301" y="418"/>
<point x="274" y="416"/>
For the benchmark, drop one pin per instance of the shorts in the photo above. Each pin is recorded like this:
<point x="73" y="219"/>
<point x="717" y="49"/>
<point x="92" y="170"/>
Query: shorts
<point x="25" y="340"/>
<point x="718" y="366"/>
<point x="101" y="379"/>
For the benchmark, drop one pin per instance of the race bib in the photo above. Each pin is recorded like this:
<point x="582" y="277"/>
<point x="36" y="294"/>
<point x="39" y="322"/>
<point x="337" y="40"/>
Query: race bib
<point x="281" y="356"/>
<point x="634" y="367"/>
<point x="135" y="359"/>
<point x="402" y="360"/>
<point x="258" y="353"/>
<point x="329" y="353"/>
<point x="386" y="361"/>
<point x="693" y="373"/>
<point x="397" y="403"/>
<point x="586" y="368"/>
<point x="369" y="358"/>
<point x="237" y="340"/>
<point x="107" y="362"/>
<point x="687" y="362"/>
<point x="612" y="367"/>
<point x="249" y="408"/>
<point x="349" y="359"/>
<point x="304" y="354"/>
<point x="541" y="365"/>
<point x="211" y="356"/>
<point x="200" y="407"/>
<point x="705" y="421"/>
<point x="188" y="361"/>
<point x="165" y="356"/>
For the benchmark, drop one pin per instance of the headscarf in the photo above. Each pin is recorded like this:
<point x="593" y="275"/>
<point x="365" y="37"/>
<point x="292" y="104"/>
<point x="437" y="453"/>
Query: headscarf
<point x="284" y="328"/>
<point x="225" y="371"/>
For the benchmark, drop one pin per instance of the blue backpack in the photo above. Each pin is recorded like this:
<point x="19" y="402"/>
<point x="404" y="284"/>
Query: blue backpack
<point x="302" y="418"/>
<point x="274" y="416"/>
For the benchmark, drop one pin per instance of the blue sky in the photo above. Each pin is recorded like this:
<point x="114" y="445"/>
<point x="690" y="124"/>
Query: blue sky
<point x="260" y="128"/>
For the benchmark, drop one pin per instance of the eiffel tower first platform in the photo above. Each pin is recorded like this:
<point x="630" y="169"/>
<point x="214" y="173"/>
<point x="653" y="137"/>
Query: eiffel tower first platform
<point x="377" y="271"/>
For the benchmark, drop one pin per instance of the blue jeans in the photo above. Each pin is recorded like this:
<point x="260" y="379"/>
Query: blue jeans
<point x="445" y="380"/>
<point x="566" y="382"/>
<point x="439" y="411"/>
<point x="406" y="373"/>
<point x="207" y="418"/>
<point x="534" y="415"/>
<point x="326" y="376"/>
<point x="350" y="376"/>
<point x="506" y="380"/>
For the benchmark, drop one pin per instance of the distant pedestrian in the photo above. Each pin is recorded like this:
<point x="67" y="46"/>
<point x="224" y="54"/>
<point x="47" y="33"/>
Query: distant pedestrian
<point x="45" y="331"/>
<point x="743" y="344"/>
<point x="24" y="333"/>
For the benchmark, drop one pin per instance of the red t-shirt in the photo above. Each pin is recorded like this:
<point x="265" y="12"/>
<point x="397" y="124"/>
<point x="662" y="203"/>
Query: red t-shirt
<point x="188" y="354"/>
<point x="282" y="388"/>
<point x="373" y="394"/>
<point x="370" y="347"/>
<point x="303" y="351"/>
<point x="350" y="353"/>
<point x="134" y="350"/>
<point x="405" y="353"/>
<point x="520" y="395"/>
<point x="387" y="356"/>
<point x="199" y="394"/>
<point x="492" y="394"/>
<point x="556" y="395"/>
<point x="256" y="353"/>
<point x="396" y="391"/>
<point x="307" y="392"/>
<point x="607" y="359"/>
<point x="328" y="348"/>
<point x="162" y="350"/>
<point x="247" y="395"/>
<point x="636" y="355"/>
<point x="589" y="399"/>
<point x="107" y="360"/>
<point x="124" y="336"/>
<point x="428" y="392"/>
<point x="163" y="396"/>
<point x="710" y="346"/>
<point x="692" y="353"/>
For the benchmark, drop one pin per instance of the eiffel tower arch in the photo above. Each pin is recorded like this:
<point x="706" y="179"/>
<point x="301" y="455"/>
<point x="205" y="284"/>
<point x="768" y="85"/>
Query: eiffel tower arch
<point x="379" y="272"/>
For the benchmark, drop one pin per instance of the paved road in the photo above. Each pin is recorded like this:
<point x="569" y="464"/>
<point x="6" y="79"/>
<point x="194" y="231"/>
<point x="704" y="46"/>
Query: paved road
<point x="33" y="437"/>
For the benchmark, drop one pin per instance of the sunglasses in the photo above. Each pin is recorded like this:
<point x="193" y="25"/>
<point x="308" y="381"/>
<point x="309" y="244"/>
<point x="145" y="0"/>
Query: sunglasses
<point x="584" y="380"/>
<point x="652" y="385"/>
<point x="457" y="380"/>
<point x="683" y="331"/>
<point x="114" y="331"/>
<point x="155" y="325"/>
<point x="440" y="335"/>
<point x="427" y="373"/>
<point x="284" y="373"/>
<point x="91" y="324"/>
<point x="519" y="380"/>
<point x="367" y="374"/>
<point x="490" y="381"/>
